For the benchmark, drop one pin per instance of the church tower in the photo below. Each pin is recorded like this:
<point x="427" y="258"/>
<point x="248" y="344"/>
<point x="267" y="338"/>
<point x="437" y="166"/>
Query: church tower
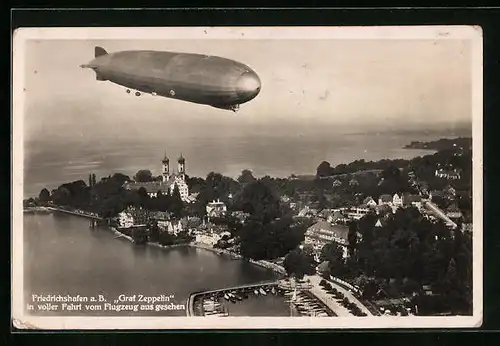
<point x="165" y="168"/>
<point x="182" y="167"/>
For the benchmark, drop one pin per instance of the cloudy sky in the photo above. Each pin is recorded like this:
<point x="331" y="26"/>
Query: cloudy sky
<point x="357" y="83"/>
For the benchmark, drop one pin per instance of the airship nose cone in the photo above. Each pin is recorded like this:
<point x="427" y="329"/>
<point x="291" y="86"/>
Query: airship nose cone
<point x="248" y="86"/>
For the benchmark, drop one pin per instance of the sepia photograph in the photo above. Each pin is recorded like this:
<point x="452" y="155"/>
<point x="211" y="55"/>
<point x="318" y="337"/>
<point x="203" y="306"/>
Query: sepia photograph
<point x="247" y="178"/>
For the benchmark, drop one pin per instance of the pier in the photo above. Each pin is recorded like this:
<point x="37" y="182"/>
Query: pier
<point x="193" y="296"/>
<point x="81" y="213"/>
<point x="299" y="296"/>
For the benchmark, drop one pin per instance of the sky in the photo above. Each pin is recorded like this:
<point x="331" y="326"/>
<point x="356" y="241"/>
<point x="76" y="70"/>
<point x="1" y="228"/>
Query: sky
<point x="306" y="84"/>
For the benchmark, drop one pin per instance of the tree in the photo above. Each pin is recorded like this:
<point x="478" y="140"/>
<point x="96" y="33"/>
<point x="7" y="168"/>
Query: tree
<point x="324" y="169"/>
<point x="44" y="195"/>
<point x="120" y="178"/>
<point x="352" y="238"/>
<point x="90" y="180"/>
<point x="258" y="200"/>
<point x="143" y="175"/>
<point x="246" y="177"/>
<point x="333" y="253"/>
<point x="175" y="204"/>
<point x="93" y="179"/>
<point x="297" y="264"/>
<point x="140" y="236"/>
<point x="154" y="231"/>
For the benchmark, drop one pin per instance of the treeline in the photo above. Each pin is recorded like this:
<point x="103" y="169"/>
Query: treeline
<point x="406" y="254"/>
<point x="108" y="197"/>
<point x="449" y="157"/>
<point x="424" y="167"/>
<point x="326" y="170"/>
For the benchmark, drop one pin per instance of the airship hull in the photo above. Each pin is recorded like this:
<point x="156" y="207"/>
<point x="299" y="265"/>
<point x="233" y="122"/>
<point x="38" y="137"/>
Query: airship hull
<point x="196" y="78"/>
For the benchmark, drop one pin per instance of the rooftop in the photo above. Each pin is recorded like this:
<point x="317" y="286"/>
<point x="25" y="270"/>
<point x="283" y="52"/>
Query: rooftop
<point x="319" y="227"/>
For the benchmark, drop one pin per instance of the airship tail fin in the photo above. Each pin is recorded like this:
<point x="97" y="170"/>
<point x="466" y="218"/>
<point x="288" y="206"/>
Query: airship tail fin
<point x="99" y="51"/>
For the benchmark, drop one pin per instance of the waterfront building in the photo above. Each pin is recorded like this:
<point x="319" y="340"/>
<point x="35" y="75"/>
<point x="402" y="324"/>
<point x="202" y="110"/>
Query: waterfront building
<point x="132" y="217"/>
<point x="322" y="233"/>
<point x="161" y="217"/>
<point x="211" y="235"/>
<point x="168" y="183"/>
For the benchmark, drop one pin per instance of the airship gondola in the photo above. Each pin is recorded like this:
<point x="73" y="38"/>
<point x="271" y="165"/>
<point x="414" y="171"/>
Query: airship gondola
<point x="196" y="78"/>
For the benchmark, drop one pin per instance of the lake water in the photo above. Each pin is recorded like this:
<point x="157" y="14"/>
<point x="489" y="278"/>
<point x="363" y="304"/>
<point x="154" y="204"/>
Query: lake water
<point x="62" y="255"/>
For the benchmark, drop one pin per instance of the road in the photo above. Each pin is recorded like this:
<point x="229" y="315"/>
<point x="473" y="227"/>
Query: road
<point x="330" y="301"/>
<point x="438" y="212"/>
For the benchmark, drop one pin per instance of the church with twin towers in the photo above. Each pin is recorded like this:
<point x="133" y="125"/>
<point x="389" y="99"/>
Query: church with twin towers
<point x="169" y="180"/>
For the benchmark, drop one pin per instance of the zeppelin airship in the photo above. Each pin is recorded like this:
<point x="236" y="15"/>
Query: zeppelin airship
<point x="196" y="78"/>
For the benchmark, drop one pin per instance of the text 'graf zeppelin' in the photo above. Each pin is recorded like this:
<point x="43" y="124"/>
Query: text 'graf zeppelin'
<point x="130" y="303"/>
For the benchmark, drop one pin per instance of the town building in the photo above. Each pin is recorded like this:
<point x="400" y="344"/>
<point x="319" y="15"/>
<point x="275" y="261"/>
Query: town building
<point x="211" y="234"/>
<point x="453" y="212"/>
<point x="353" y="182"/>
<point x="216" y="209"/>
<point x="385" y="200"/>
<point x="308" y="212"/>
<point x="412" y="200"/>
<point x="370" y="202"/>
<point x="336" y="183"/>
<point x="436" y="194"/>
<point x="397" y="201"/>
<point x="383" y="209"/>
<point x="240" y="215"/>
<point x="450" y="192"/>
<point x="322" y="233"/>
<point x="168" y="183"/>
<point x="447" y="174"/>
<point x="356" y="213"/>
<point x="162" y="218"/>
<point x="284" y="199"/>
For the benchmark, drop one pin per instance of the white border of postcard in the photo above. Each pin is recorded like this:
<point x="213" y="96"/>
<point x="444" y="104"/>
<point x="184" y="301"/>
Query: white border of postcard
<point x="22" y="320"/>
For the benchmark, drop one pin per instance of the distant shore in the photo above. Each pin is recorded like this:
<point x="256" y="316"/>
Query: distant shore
<point x="442" y="144"/>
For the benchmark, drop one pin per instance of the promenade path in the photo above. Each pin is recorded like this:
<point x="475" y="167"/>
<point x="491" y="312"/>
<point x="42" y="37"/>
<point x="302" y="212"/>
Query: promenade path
<point x="333" y="303"/>
<point x="327" y="299"/>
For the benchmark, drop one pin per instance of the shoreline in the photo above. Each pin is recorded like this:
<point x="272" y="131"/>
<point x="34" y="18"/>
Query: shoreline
<point x="277" y="269"/>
